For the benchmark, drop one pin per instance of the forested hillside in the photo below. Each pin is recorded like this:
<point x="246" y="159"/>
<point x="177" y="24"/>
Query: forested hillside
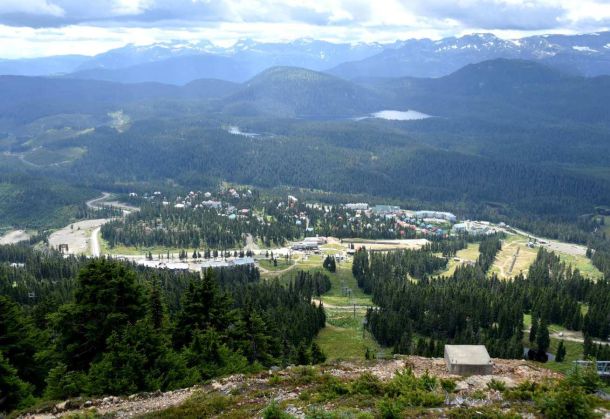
<point x="508" y="141"/>
<point x="103" y="327"/>
<point x="470" y="307"/>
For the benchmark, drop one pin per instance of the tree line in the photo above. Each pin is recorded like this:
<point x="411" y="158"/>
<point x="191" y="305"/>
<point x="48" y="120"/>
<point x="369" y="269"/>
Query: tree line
<point x="113" y="328"/>
<point x="470" y="307"/>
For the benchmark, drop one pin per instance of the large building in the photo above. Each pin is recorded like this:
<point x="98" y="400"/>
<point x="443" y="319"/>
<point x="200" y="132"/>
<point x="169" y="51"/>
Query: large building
<point x="473" y="228"/>
<point x="385" y="209"/>
<point x="468" y="360"/>
<point x="439" y="215"/>
<point x="306" y="245"/>
<point x="362" y="206"/>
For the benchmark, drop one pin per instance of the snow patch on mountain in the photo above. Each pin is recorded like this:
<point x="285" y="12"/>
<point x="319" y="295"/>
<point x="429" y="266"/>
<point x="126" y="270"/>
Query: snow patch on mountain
<point x="584" y="49"/>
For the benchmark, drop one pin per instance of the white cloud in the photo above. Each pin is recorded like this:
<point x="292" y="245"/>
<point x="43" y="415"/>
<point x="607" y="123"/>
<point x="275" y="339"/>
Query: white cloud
<point x="34" y="7"/>
<point x="45" y="27"/>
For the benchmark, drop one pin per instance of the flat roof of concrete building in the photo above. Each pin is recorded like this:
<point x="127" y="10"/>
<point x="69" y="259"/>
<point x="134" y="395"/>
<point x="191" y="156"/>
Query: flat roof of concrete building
<point x="467" y="354"/>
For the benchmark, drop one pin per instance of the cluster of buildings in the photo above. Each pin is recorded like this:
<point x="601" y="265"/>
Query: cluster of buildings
<point x="425" y="223"/>
<point x="220" y="202"/>
<point x="474" y="228"/>
<point x="309" y="244"/>
<point x="436" y="215"/>
<point x="184" y="266"/>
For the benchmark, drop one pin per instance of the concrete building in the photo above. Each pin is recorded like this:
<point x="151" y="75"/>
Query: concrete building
<point x="317" y="240"/>
<point x="385" y="209"/>
<point x="468" y="360"/>
<point x="362" y="206"/>
<point x="214" y="264"/>
<point x="304" y="246"/>
<point x="242" y="261"/>
<point x="473" y="228"/>
<point x="439" y="215"/>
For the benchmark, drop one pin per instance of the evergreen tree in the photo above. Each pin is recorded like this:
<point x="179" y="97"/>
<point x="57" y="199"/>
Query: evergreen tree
<point x="588" y="346"/>
<point x="404" y="344"/>
<point x="542" y="337"/>
<point x="561" y="352"/>
<point x="317" y="356"/>
<point x="106" y="298"/>
<point x="138" y="358"/>
<point x="330" y="264"/>
<point x="19" y="340"/>
<point x="303" y="354"/>
<point x="155" y="307"/>
<point x="14" y="392"/>
<point x="533" y="329"/>
<point x="204" y="305"/>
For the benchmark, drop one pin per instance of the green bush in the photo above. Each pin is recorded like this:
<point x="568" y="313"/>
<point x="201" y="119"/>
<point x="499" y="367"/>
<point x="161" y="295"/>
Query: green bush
<point x="331" y="388"/>
<point x="585" y="378"/>
<point x="526" y="391"/>
<point x="448" y="385"/>
<point x="199" y="405"/>
<point x="367" y="384"/>
<point x="566" y="403"/>
<point x="389" y="408"/>
<point x="412" y="391"/>
<point x="274" y="411"/>
<point x="63" y="384"/>
<point x="496" y="385"/>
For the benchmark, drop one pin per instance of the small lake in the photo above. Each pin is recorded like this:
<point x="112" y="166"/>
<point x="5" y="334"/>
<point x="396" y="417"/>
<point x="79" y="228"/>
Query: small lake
<point x="234" y="129"/>
<point x="392" y="115"/>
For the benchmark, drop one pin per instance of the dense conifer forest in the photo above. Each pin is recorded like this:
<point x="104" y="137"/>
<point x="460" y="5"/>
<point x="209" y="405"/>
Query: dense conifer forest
<point x="100" y="326"/>
<point x="415" y="316"/>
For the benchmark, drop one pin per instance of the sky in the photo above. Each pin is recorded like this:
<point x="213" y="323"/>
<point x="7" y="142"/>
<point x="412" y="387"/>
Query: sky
<point x="33" y="28"/>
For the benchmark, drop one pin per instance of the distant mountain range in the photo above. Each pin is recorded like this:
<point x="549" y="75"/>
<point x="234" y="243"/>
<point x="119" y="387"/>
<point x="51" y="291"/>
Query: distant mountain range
<point x="587" y="55"/>
<point x="508" y="88"/>
<point x="179" y="62"/>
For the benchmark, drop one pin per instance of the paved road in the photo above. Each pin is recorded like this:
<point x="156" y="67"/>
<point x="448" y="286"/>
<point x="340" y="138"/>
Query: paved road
<point x="101" y="202"/>
<point x="568" y="248"/>
<point x="96" y="202"/>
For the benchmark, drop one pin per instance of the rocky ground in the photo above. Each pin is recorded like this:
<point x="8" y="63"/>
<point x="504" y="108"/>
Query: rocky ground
<point x="257" y="390"/>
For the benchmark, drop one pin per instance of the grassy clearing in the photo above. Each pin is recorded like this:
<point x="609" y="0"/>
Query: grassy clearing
<point x="553" y="328"/>
<point x="281" y="264"/>
<point x="513" y="244"/>
<point x="583" y="264"/>
<point x="470" y="253"/>
<point x="343" y="337"/>
<point x="574" y="352"/>
<point x="345" y="343"/>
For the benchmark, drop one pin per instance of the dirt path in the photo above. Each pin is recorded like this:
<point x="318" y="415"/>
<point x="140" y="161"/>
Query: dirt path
<point x="276" y="273"/>
<point x="572" y="336"/>
<point x="349" y="307"/>
<point x="251" y="244"/>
